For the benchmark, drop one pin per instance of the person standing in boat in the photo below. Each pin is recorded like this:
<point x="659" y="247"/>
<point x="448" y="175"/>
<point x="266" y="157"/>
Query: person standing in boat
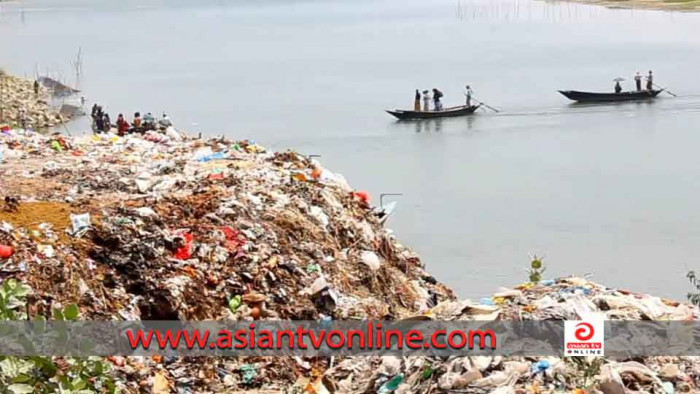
<point x="650" y="81"/>
<point x="638" y="81"/>
<point x="618" y="87"/>
<point x="437" y="95"/>
<point x="426" y="101"/>
<point x="416" y="102"/>
<point x="468" y="92"/>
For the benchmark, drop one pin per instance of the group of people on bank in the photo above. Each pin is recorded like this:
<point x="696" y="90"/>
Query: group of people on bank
<point x="101" y="122"/>
<point x="426" y="98"/>
<point x="638" y="82"/>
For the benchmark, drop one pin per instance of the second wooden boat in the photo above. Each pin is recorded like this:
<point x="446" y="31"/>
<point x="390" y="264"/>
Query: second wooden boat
<point x="590" y="97"/>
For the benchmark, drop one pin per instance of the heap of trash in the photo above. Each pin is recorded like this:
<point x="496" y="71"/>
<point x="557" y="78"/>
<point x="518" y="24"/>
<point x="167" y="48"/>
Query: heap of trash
<point x="158" y="228"/>
<point x="22" y="107"/>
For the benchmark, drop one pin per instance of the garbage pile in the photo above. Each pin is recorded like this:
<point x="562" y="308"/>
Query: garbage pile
<point x="22" y="107"/>
<point x="129" y="229"/>
<point x="562" y="299"/>
<point x="142" y="228"/>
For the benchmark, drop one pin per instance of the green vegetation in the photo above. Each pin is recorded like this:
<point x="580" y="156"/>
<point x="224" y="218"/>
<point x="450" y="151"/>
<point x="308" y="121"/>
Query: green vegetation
<point x="537" y="268"/>
<point x="19" y="375"/>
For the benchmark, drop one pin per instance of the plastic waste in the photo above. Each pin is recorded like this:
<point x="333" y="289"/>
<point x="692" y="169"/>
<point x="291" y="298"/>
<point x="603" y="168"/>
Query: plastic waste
<point x="371" y="260"/>
<point x="217" y="174"/>
<point x="46" y="250"/>
<point x="540" y="366"/>
<point x="669" y="388"/>
<point x="250" y="372"/>
<point x="213" y="156"/>
<point x="234" y="303"/>
<point x="391" y="385"/>
<point x="234" y="239"/>
<point x="486" y="301"/>
<point x="185" y="251"/>
<point x="319" y="215"/>
<point x="146" y="212"/>
<point x="80" y="223"/>
<point x="363" y="196"/>
<point x="6" y="251"/>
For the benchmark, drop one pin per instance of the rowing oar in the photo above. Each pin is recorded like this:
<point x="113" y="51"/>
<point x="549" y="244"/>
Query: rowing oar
<point x="485" y="105"/>
<point x="664" y="89"/>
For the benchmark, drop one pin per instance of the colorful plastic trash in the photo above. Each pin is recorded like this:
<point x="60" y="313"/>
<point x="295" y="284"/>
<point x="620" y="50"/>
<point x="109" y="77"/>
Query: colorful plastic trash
<point x="185" y="252"/>
<point x="363" y="196"/>
<point x="6" y="251"/>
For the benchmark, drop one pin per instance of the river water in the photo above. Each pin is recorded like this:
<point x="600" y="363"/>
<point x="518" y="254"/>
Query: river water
<point x="607" y="190"/>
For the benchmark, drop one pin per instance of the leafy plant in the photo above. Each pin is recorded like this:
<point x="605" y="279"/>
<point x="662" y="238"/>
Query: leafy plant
<point x="19" y="375"/>
<point x="12" y="298"/>
<point x="537" y="268"/>
<point x="587" y="368"/>
<point x="694" y="296"/>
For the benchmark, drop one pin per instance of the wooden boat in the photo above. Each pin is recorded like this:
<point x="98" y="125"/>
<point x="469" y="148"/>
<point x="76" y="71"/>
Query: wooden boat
<point x="462" y="110"/>
<point x="589" y="97"/>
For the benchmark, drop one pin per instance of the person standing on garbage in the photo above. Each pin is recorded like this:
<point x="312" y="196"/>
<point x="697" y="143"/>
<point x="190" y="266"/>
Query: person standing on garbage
<point x="36" y="88"/>
<point x="122" y="125"/>
<point x="99" y="122"/>
<point x="137" y="119"/>
<point x="426" y="101"/>
<point x="149" y="121"/>
<point x="165" y="122"/>
<point x="107" y="123"/>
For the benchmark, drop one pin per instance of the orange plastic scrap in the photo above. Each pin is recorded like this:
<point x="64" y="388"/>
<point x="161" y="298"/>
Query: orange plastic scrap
<point x="316" y="173"/>
<point x="191" y="272"/>
<point x="216" y="174"/>
<point x="300" y="176"/>
<point x="525" y="286"/>
<point x="670" y="302"/>
<point x="363" y="196"/>
<point x="234" y="239"/>
<point x="185" y="252"/>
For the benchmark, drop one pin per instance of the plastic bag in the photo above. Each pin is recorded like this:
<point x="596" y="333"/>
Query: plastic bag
<point x="80" y="223"/>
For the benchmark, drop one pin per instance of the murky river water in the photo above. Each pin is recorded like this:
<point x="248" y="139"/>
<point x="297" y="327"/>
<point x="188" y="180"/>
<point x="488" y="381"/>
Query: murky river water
<point x="610" y="190"/>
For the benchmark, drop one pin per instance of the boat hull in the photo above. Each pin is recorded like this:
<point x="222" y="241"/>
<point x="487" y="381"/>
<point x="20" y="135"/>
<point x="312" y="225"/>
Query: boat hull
<point x="447" y="113"/>
<point x="590" y="97"/>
